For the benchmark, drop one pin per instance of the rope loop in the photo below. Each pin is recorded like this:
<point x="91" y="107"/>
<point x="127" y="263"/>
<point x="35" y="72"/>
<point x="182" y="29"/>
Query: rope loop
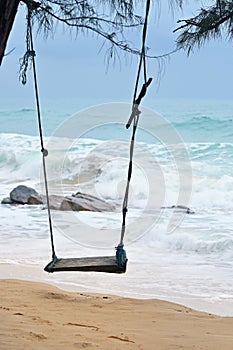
<point x="135" y="110"/>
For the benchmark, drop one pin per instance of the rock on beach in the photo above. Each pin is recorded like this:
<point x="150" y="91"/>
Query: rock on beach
<point x="76" y="202"/>
<point x="21" y="194"/>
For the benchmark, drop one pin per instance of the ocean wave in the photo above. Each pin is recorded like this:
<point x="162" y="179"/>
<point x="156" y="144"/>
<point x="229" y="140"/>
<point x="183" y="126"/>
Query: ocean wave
<point x="201" y="238"/>
<point x="100" y="166"/>
<point x="205" y="128"/>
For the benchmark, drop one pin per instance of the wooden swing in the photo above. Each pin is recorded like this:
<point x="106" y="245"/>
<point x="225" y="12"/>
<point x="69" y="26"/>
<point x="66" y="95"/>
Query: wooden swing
<point x="94" y="264"/>
<point x="110" y="264"/>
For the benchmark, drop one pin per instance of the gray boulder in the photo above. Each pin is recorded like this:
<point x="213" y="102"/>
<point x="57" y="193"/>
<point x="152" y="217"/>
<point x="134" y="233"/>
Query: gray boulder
<point x="85" y="202"/>
<point x="21" y="194"/>
<point x="77" y="202"/>
<point x="54" y="200"/>
<point x="184" y="208"/>
<point x="35" y="199"/>
<point x="7" y="200"/>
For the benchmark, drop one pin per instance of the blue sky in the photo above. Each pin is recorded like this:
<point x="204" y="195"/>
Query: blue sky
<point x="75" y="69"/>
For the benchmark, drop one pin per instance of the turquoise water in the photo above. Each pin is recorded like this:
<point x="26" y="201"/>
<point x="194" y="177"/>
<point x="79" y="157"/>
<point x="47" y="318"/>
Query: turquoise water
<point x="195" y="120"/>
<point x="184" y="156"/>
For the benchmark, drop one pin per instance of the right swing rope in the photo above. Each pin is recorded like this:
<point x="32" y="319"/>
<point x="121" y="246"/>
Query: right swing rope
<point x="134" y="117"/>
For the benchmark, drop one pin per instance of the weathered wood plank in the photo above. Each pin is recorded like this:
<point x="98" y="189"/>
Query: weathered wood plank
<point x="95" y="264"/>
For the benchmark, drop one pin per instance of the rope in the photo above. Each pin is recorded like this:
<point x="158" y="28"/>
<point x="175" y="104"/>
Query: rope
<point x="44" y="151"/>
<point x="134" y="117"/>
<point x="120" y="253"/>
<point x="143" y="53"/>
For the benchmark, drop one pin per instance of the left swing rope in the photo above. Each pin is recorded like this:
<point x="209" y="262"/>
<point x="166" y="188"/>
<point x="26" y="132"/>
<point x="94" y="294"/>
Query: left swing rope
<point x="44" y="151"/>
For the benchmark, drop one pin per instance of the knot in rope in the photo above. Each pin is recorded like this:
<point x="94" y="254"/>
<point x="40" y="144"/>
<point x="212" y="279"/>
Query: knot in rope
<point x="124" y="210"/>
<point x="44" y="152"/>
<point x="26" y="60"/>
<point x="31" y="53"/>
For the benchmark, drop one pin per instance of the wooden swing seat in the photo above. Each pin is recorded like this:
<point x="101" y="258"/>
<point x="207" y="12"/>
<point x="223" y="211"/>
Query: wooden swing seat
<point x="95" y="264"/>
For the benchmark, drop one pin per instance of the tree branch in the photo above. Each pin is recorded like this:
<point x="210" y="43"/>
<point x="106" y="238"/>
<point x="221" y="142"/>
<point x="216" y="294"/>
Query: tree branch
<point x="208" y="23"/>
<point x="8" y="10"/>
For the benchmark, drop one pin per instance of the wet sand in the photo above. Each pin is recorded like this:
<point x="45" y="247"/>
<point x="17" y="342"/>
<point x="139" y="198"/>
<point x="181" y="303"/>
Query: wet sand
<point x="40" y="316"/>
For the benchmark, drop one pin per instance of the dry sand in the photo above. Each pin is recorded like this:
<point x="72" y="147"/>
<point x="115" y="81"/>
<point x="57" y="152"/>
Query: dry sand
<point x="40" y="316"/>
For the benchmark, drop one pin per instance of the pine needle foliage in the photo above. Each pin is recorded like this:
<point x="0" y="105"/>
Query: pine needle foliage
<point x="107" y="19"/>
<point x="209" y="23"/>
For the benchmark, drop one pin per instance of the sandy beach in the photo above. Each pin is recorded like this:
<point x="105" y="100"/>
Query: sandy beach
<point x="40" y="316"/>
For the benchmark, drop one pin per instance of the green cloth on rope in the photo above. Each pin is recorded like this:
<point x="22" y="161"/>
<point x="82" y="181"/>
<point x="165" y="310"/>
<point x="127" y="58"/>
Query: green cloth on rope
<point x="121" y="255"/>
<point x="50" y="266"/>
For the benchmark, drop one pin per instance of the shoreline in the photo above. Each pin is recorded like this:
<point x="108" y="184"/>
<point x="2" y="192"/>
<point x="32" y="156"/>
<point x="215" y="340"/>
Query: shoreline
<point x="41" y="316"/>
<point x="35" y="273"/>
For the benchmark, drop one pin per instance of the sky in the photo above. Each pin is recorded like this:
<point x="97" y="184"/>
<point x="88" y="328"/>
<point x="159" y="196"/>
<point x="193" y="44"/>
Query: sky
<point x="76" y="68"/>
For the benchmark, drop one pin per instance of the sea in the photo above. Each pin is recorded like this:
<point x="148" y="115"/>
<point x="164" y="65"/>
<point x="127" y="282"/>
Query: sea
<point x="179" y="227"/>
